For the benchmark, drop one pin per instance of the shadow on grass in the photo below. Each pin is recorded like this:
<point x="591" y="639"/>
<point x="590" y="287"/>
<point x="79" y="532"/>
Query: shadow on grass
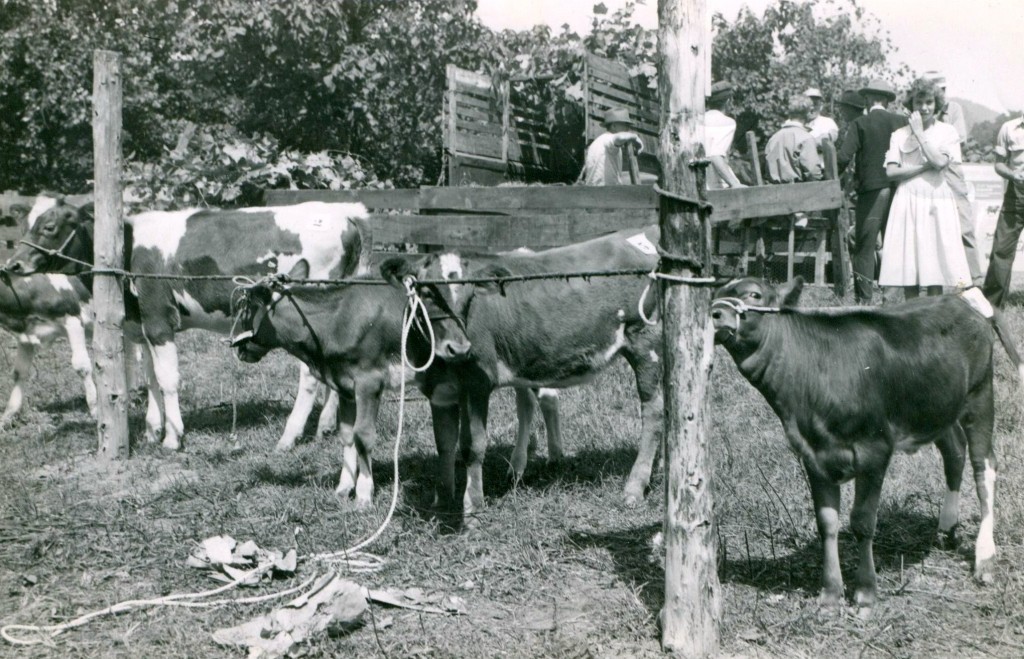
<point x="904" y="538"/>
<point x="218" y="418"/>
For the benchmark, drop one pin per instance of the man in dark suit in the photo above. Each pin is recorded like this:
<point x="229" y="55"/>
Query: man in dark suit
<point x="864" y="145"/>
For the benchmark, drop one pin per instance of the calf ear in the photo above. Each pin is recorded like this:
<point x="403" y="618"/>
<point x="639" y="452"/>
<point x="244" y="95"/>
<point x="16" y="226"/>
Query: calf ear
<point x="790" y="293"/>
<point x="394" y="269"/>
<point x="491" y="287"/>
<point x="300" y="270"/>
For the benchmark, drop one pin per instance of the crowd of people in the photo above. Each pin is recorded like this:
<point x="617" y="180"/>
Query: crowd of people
<point x="913" y="219"/>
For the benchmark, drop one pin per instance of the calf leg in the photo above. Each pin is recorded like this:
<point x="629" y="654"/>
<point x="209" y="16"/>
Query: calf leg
<point x="304" y="399"/>
<point x="552" y="424"/>
<point x="647" y="370"/>
<point x="977" y="422"/>
<point x="80" y="359"/>
<point x="22" y="372"/>
<point x="154" y="401"/>
<point x="525" y="408"/>
<point x="346" y="436"/>
<point x="368" y="395"/>
<point x="952" y="446"/>
<point x="825" y="495"/>
<point x="445" y="419"/>
<point x="328" y="420"/>
<point x="165" y="365"/>
<point x="473" y="438"/>
<point x="863" y="519"/>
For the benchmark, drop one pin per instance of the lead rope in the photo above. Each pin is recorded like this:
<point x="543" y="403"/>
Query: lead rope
<point x="413" y="310"/>
<point x="355" y="560"/>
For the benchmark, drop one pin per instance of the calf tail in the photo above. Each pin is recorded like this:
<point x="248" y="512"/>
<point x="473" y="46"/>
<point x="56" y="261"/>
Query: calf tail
<point x="1006" y="338"/>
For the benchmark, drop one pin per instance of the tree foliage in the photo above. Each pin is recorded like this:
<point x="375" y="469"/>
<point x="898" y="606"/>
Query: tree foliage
<point x="346" y="93"/>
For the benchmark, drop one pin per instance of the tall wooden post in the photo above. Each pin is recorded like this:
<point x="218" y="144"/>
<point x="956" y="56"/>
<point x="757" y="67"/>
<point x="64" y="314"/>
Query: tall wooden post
<point x="692" y="591"/>
<point x="108" y="298"/>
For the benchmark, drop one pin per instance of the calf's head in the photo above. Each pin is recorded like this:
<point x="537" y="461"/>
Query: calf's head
<point x="449" y="327"/>
<point x="61" y="230"/>
<point x="738" y="307"/>
<point x="251" y="336"/>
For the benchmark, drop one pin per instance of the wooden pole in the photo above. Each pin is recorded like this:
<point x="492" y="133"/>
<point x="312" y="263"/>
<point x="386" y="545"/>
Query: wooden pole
<point x="108" y="297"/>
<point x="692" y="592"/>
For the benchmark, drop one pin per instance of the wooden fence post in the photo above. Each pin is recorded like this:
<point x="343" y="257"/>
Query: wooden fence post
<point x="108" y="297"/>
<point x="692" y="591"/>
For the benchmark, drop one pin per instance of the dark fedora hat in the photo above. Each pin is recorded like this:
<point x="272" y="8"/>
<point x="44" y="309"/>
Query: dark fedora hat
<point x="852" y="99"/>
<point x="721" y="90"/>
<point x="879" y="87"/>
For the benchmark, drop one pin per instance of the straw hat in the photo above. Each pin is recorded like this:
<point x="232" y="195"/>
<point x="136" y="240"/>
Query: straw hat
<point x="720" y="91"/>
<point x="617" y="116"/>
<point x="813" y="92"/>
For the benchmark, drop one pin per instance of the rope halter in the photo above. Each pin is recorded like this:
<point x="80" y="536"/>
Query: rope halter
<point x="740" y="308"/>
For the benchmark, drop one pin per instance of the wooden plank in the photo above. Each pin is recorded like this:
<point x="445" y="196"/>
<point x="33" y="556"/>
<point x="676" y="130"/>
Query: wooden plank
<point x="600" y="66"/>
<point x="469" y="113"/>
<point x="463" y="99"/>
<point x="467" y="77"/>
<point x="641" y="107"/>
<point x="372" y="199"/>
<point x="478" y="145"/>
<point x="477" y="127"/>
<point x="503" y="232"/>
<point x="539" y="197"/>
<point x="768" y="200"/>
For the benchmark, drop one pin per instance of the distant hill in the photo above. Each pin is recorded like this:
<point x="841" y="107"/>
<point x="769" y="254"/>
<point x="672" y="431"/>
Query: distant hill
<point x="975" y="113"/>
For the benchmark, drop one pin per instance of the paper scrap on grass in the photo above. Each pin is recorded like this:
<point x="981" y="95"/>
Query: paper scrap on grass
<point x="333" y="605"/>
<point x="229" y="561"/>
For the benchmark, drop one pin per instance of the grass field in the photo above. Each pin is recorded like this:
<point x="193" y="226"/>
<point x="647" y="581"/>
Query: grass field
<point x="557" y="567"/>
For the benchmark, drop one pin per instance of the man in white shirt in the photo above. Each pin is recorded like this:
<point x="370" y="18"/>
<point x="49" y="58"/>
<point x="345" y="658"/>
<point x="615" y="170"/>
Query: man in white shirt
<point x="821" y="127"/>
<point x="603" y="164"/>
<point x="719" y="131"/>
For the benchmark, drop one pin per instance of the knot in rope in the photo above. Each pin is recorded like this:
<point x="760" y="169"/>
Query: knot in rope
<point x="740" y="307"/>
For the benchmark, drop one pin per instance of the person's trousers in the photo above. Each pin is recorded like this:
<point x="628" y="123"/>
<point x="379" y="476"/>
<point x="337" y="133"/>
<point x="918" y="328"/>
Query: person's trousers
<point x="956" y="181"/>
<point x="1004" y="244"/>
<point x="870" y="215"/>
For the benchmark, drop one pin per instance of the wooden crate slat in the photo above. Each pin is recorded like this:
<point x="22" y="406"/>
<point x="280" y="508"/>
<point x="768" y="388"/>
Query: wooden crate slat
<point x="466" y="112"/>
<point x="497" y="233"/>
<point x="769" y="200"/>
<point x="482" y="103"/>
<point x="478" y="145"/>
<point x="469" y="78"/>
<point x="408" y="199"/>
<point x="464" y="126"/>
<point x="539" y="197"/>
<point x="598" y="66"/>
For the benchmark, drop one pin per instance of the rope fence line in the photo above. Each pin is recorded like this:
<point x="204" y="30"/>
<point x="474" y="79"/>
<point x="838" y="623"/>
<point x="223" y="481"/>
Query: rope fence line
<point x="346" y="281"/>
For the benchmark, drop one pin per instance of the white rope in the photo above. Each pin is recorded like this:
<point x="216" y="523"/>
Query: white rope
<point x="169" y="600"/>
<point x="369" y="562"/>
<point x="654" y="276"/>
<point x="354" y="559"/>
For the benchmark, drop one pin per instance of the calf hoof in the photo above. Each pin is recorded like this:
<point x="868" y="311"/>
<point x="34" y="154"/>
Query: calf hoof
<point x="865" y="598"/>
<point x="284" y="445"/>
<point x="171" y="443"/>
<point x="983" y="571"/>
<point x="362" y="504"/>
<point x="343" y="491"/>
<point x="515" y="475"/>
<point x="633" y="496"/>
<point x="830" y="601"/>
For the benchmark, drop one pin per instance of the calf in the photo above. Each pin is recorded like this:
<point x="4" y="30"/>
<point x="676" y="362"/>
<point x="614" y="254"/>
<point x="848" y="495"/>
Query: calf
<point x="333" y="238"/>
<point x="852" y="386"/>
<point x="37" y="309"/>
<point x="351" y="337"/>
<point x="554" y="333"/>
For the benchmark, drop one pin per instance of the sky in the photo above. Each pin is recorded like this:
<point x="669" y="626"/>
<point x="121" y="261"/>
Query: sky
<point x="976" y="44"/>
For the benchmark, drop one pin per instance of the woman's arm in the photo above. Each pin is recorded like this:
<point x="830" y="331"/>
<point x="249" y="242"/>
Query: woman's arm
<point x="935" y="158"/>
<point x="898" y="173"/>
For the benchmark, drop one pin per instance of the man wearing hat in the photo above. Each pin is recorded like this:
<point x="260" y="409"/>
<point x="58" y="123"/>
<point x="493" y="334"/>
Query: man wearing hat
<point x="821" y="127"/>
<point x="864" y="146"/>
<point x="719" y="131"/>
<point x="603" y="164"/>
<point x="952" y="113"/>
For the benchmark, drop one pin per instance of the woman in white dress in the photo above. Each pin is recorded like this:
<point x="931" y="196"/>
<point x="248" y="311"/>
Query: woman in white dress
<point x="922" y="244"/>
